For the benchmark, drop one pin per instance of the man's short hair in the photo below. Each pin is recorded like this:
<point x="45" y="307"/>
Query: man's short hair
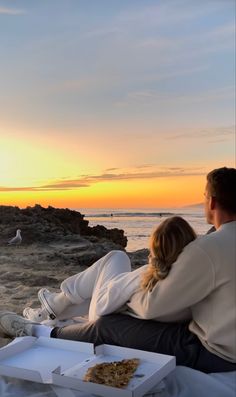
<point x="221" y="184"/>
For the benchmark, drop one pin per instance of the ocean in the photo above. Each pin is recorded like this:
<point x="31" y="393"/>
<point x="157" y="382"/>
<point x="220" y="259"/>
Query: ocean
<point x="138" y="224"/>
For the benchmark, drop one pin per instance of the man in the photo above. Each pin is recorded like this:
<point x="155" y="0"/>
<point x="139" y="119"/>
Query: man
<point x="202" y="280"/>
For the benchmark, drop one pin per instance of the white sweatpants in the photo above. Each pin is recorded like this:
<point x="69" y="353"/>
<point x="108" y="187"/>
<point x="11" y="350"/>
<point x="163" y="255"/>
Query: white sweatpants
<point x="102" y="288"/>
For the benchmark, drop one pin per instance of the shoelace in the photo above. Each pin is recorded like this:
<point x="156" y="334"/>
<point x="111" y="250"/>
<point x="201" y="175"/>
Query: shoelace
<point x="37" y="315"/>
<point x="19" y="330"/>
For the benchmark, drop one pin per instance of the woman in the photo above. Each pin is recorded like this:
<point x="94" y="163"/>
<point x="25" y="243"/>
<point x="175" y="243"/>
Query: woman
<point x="108" y="284"/>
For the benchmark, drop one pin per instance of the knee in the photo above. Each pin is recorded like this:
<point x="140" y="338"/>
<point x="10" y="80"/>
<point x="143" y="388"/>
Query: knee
<point x="122" y="258"/>
<point x="120" y="255"/>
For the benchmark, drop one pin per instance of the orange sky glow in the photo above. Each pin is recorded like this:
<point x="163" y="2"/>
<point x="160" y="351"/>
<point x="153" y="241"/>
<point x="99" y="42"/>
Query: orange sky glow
<point x="35" y="173"/>
<point x="117" y="105"/>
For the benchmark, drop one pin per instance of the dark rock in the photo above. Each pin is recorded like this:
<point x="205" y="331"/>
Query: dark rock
<point x="139" y="258"/>
<point x="44" y="225"/>
<point x="116" y="235"/>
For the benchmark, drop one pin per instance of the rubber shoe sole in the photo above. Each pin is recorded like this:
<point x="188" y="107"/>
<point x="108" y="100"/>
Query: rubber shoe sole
<point x="43" y="300"/>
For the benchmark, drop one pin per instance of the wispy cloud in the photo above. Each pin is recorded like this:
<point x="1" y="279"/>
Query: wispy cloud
<point x="111" y="169"/>
<point x="219" y="33"/>
<point x="217" y="134"/>
<point x="11" y="11"/>
<point x="137" y="173"/>
<point x="183" y="71"/>
<point x="172" y="11"/>
<point x="63" y="185"/>
<point x="149" y="97"/>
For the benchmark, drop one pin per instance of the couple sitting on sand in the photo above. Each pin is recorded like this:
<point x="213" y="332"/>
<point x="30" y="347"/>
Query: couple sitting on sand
<point x="181" y="303"/>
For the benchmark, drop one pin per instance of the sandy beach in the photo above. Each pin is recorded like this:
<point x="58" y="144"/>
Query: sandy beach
<point x="26" y="269"/>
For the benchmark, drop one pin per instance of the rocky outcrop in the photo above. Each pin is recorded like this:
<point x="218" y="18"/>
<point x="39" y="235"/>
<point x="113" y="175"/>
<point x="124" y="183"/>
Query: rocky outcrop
<point x="139" y="258"/>
<point x="45" y="225"/>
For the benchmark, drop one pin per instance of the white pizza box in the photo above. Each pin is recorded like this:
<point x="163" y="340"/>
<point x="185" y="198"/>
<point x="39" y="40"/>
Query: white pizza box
<point x="152" y="369"/>
<point x="34" y="359"/>
<point x="64" y="363"/>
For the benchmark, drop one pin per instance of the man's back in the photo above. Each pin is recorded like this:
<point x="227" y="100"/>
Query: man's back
<point x="214" y="317"/>
<point x="203" y="279"/>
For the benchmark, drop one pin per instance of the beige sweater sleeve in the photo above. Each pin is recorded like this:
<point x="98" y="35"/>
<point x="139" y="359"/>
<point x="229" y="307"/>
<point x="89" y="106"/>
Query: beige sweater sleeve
<point x="189" y="281"/>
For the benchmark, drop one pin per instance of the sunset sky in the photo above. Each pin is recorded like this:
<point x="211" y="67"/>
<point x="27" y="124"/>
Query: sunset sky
<point x="114" y="103"/>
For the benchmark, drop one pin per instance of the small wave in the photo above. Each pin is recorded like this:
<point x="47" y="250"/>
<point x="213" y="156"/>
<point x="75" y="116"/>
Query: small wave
<point x="130" y="214"/>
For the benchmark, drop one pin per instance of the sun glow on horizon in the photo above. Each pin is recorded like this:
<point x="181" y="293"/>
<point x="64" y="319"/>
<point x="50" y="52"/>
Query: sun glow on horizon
<point x="130" y="106"/>
<point x="42" y="171"/>
<point x="154" y="193"/>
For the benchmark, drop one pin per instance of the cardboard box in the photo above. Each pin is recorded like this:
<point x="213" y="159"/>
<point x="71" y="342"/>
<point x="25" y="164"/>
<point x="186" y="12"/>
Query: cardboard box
<point x="64" y="363"/>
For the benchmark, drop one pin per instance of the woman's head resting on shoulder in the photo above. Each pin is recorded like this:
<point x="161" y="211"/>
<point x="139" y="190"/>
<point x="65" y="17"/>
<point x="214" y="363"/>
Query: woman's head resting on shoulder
<point x="166" y="244"/>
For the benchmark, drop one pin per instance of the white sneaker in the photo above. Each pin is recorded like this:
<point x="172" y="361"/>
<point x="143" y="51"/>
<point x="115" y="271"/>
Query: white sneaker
<point x="54" y="302"/>
<point x="37" y="315"/>
<point x="45" y="296"/>
<point x="13" y="325"/>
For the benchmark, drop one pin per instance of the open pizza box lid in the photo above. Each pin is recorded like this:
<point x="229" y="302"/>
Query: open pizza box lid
<point x="64" y="363"/>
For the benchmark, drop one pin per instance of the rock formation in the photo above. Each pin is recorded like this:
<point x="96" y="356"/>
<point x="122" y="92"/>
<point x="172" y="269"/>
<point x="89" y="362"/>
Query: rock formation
<point x="44" y="225"/>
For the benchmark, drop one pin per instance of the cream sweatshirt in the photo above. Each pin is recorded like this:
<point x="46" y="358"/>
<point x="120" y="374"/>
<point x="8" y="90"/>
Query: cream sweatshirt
<point x="201" y="285"/>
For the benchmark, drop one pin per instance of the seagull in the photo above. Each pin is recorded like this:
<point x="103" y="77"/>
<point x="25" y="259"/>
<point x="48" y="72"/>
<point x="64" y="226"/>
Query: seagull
<point x="17" y="239"/>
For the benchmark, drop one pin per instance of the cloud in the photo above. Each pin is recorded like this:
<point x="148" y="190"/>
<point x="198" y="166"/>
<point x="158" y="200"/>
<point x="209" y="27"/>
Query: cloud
<point x="152" y="97"/>
<point x="220" y="33"/>
<point x="218" y="134"/>
<point x="11" y="11"/>
<point x="123" y="175"/>
<point x="174" y="12"/>
<point x="111" y="169"/>
<point x="65" y="185"/>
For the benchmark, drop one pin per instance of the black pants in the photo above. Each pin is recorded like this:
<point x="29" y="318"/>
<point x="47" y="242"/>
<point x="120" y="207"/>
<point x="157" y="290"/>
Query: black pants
<point x="167" y="338"/>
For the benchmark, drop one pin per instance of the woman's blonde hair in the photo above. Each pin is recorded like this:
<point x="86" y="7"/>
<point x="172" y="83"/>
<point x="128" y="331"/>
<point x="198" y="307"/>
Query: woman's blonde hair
<point x="166" y="243"/>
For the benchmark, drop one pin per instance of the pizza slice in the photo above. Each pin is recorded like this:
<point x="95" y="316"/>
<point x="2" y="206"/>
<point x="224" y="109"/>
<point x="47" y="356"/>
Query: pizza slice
<point x="114" y="374"/>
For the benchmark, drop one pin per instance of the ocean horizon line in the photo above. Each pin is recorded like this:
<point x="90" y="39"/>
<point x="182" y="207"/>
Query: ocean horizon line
<point x="140" y="209"/>
<point x="137" y="212"/>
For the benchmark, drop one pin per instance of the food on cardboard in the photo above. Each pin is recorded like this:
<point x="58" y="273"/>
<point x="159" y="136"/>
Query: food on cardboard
<point x="114" y="374"/>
